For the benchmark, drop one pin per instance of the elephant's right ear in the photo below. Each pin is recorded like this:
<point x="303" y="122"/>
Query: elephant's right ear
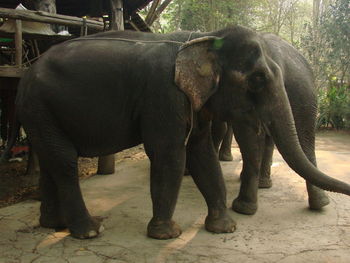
<point x="197" y="70"/>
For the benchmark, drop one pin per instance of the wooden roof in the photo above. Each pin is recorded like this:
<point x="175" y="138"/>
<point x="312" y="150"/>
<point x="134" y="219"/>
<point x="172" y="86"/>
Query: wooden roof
<point x="83" y="7"/>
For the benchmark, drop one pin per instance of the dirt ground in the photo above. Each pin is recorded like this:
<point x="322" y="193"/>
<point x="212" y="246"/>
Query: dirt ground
<point x="283" y="230"/>
<point x="15" y="186"/>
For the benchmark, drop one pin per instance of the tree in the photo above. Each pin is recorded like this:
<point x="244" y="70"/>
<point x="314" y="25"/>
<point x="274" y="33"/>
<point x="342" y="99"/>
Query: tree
<point x="335" y="65"/>
<point x="319" y="28"/>
<point x="206" y="15"/>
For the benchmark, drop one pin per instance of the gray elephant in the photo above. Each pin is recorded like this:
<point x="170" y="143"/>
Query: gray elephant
<point x="254" y="137"/>
<point x="222" y="134"/>
<point x="100" y="94"/>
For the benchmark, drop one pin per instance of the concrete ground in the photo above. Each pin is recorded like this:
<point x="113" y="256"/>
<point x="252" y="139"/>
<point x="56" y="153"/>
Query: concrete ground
<point x="283" y="229"/>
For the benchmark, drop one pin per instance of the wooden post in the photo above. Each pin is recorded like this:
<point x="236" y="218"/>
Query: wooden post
<point x="152" y="11"/>
<point x="18" y="43"/>
<point x="117" y="19"/>
<point x="106" y="164"/>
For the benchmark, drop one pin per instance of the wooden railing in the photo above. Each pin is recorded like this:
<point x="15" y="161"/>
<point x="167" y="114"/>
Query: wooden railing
<point x="41" y="17"/>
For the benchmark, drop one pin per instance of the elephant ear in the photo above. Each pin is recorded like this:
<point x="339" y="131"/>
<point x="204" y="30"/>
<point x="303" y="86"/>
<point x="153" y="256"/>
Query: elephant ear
<point x="197" y="70"/>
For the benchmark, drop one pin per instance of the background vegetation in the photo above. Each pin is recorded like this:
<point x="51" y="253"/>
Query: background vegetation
<point x="320" y="29"/>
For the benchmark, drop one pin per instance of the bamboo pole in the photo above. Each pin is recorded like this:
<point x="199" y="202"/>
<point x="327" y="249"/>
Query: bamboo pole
<point x="18" y="43"/>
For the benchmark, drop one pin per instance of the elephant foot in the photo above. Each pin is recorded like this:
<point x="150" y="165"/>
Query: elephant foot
<point x="87" y="229"/>
<point x="265" y="182"/>
<point x="318" y="199"/>
<point x="50" y="221"/>
<point x="245" y="208"/>
<point x="222" y="224"/>
<point x="226" y="157"/>
<point x="160" y="229"/>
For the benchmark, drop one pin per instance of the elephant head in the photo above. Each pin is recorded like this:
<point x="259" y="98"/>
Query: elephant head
<point x="234" y="72"/>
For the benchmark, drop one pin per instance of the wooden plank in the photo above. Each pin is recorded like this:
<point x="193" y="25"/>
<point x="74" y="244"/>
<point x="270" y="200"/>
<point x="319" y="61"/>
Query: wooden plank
<point x="152" y="12"/>
<point x="48" y="18"/>
<point x="18" y="43"/>
<point x="30" y="36"/>
<point x="11" y="72"/>
<point x="134" y="26"/>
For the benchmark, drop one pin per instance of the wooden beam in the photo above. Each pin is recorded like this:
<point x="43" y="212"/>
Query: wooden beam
<point x="106" y="164"/>
<point x="18" y="43"/>
<point x="48" y="18"/>
<point x="152" y="11"/>
<point x="159" y="11"/>
<point x="134" y="26"/>
<point x="117" y="19"/>
<point x="11" y="72"/>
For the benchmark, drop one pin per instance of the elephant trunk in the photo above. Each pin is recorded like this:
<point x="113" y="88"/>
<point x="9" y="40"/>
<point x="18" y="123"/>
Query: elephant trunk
<point x="282" y="128"/>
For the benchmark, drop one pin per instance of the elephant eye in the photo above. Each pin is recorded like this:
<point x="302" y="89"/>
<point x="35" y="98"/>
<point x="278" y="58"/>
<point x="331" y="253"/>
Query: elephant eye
<point x="257" y="81"/>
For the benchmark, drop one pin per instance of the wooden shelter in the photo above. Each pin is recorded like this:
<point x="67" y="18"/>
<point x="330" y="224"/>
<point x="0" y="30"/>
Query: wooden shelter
<point x="69" y="14"/>
<point x="75" y="15"/>
<point x="94" y="8"/>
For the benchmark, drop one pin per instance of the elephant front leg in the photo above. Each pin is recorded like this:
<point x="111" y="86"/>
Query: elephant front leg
<point x="62" y="201"/>
<point x="206" y="172"/>
<point x="251" y="141"/>
<point x="167" y="169"/>
<point x="317" y="197"/>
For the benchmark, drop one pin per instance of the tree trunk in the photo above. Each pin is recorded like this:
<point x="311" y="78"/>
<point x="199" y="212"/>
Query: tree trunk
<point x="106" y="163"/>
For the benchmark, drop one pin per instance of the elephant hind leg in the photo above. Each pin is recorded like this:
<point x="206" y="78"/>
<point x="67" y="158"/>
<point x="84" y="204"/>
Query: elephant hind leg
<point x="265" y="170"/>
<point x="50" y="210"/>
<point x="62" y="201"/>
<point x="225" y="153"/>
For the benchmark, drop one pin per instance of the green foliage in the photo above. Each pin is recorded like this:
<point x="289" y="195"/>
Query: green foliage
<point x="320" y="29"/>
<point x="334" y="107"/>
<point x="329" y="53"/>
<point x="207" y="15"/>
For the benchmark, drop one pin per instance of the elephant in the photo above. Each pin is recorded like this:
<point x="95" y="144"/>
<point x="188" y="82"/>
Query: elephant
<point x="257" y="146"/>
<point x="222" y="138"/>
<point x="100" y="94"/>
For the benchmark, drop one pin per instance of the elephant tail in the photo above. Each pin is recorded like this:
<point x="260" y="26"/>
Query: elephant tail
<point x="11" y="142"/>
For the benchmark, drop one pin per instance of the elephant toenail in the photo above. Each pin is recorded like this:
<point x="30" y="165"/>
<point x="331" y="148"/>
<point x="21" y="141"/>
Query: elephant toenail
<point x="101" y="229"/>
<point x="92" y="233"/>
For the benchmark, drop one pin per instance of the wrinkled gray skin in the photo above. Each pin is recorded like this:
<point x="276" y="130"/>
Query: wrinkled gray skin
<point x="222" y="138"/>
<point x="101" y="94"/>
<point x="256" y="144"/>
